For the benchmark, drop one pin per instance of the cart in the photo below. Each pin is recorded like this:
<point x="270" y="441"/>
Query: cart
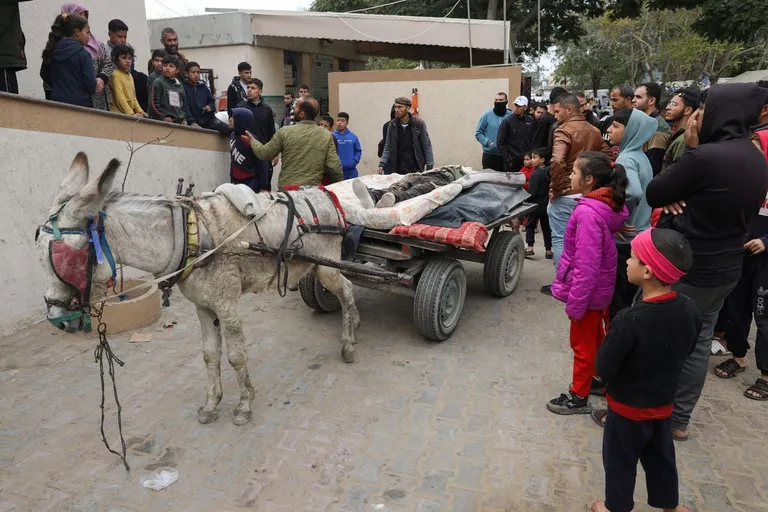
<point x="430" y="272"/>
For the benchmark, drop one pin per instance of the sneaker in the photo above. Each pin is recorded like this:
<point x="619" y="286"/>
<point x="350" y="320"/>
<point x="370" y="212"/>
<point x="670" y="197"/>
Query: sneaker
<point x="598" y="387"/>
<point x="363" y="194"/>
<point x="388" y="200"/>
<point x="718" y="349"/>
<point x="569" y="403"/>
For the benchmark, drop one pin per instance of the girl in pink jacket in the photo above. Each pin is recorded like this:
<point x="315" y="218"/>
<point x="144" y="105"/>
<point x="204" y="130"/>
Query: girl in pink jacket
<point x="586" y="273"/>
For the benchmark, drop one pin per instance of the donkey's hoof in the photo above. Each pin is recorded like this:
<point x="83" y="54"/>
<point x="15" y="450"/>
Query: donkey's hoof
<point x="241" y="417"/>
<point x="348" y="353"/>
<point x="206" y="417"/>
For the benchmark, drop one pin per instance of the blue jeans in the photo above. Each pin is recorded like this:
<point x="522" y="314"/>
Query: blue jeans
<point x="559" y="211"/>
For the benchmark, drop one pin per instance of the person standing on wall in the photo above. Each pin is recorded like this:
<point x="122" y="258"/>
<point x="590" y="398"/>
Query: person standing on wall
<point x="117" y="31"/>
<point x="237" y="92"/>
<point x="407" y="147"/>
<point x="263" y="117"/>
<point x="488" y="130"/>
<point x="201" y="107"/>
<point x="515" y="133"/>
<point x="67" y="66"/>
<point x="349" y="149"/>
<point x="12" y="42"/>
<point x="170" y="40"/>
<point x="103" y="66"/>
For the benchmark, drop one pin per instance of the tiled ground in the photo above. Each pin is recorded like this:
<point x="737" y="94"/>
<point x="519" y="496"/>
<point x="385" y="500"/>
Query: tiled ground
<point x="411" y="426"/>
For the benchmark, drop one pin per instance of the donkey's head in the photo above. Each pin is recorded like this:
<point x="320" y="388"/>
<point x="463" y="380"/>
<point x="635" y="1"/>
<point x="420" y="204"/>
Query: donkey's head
<point x="67" y="257"/>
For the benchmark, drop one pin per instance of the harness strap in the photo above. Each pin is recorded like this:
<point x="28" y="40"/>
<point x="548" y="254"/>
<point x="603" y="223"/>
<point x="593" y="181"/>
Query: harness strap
<point x="55" y="227"/>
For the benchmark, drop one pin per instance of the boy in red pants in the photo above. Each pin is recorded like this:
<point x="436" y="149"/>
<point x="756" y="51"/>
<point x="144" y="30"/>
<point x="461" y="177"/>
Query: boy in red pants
<point x="640" y="362"/>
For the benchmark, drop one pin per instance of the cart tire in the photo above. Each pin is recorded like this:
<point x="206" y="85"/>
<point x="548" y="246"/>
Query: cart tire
<point x="315" y="296"/>
<point x="439" y="298"/>
<point x="504" y="263"/>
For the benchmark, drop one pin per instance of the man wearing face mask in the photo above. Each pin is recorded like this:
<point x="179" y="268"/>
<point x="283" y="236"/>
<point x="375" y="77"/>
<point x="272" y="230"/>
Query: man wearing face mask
<point x="515" y="135"/>
<point x="488" y="130"/>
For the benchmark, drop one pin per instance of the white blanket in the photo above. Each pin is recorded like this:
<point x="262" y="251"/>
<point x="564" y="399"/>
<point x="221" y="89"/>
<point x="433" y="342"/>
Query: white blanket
<point x="401" y="214"/>
<point x="241" y="197"/>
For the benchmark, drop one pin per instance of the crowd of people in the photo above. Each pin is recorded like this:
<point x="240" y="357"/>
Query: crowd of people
<point x="658" y="229"/>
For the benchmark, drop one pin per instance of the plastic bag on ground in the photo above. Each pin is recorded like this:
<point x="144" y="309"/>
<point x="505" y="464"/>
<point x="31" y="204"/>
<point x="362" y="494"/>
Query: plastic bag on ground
<point x="161" y="478"/>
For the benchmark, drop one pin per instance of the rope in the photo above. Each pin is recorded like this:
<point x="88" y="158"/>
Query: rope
<point x="441" y="20"/>
<point x="101" y="350"/>
<point x="194" y="262"/>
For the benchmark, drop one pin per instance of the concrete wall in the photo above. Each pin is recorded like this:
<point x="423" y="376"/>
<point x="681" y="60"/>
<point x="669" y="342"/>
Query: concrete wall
<point x="37" y="17"/>
<point x="451" y="102"/>
<point x="39" y="141"/>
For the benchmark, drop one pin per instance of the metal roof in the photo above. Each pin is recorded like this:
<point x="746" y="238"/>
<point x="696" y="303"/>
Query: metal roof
<point x="388" y="29"/>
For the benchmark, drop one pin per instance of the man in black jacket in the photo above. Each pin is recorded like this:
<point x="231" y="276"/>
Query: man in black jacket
<point x="201" y="107"/>
<point x="263" y="116"/>
<point x="12" y="56"/>
<point x="515" y="134"/>
<point x="711" y="194"/>
<point x="407" y="147"/>
<point x="545" y="124"/>
<point x="236" y="92"/>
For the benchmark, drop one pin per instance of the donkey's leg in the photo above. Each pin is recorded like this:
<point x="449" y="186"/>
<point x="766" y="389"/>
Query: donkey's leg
<point x="212" y="357"/>
<point x="334" y="282"/>
<point x="232" y="329"/>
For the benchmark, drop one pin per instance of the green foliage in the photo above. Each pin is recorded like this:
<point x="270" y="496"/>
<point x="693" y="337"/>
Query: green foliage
<point x="383" y="63"/>
<point x="624" y="50"/>
<point x="744" y="21"/>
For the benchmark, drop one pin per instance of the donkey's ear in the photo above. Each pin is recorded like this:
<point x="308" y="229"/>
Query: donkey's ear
<point x="75" y="180"/>
<point x="90" y="200"/>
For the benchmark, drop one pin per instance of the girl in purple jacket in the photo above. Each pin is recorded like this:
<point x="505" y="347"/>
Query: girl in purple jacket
<point x="586" y="273"/>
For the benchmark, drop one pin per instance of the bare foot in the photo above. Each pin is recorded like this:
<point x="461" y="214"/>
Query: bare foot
<point x="598" y="506"/>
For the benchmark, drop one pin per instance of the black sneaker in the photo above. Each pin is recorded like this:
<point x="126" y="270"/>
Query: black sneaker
<point x="569" y="403"/>
<point x="546" y="290"/>
<point x="598" y="387"/>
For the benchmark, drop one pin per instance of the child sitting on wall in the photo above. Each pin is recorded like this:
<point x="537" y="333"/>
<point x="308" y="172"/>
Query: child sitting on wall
<point x="168" y="100"/>
<point x="124" y="98"/>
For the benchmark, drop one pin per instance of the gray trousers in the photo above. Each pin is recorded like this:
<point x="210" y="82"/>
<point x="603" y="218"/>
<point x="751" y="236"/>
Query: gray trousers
<point x="708" y="301"/>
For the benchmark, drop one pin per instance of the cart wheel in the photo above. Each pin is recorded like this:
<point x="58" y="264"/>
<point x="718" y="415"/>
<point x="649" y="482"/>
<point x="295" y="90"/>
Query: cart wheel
<point x="439" y="298"/>
<point x="315" y="296"/>
<point x="504" y="263"/>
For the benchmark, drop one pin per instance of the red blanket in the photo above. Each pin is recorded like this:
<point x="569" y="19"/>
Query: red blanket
<point x="470" y="235"/>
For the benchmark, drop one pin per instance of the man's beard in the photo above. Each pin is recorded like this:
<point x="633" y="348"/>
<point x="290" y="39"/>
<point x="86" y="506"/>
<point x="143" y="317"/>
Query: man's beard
<point x="674" y="119"/>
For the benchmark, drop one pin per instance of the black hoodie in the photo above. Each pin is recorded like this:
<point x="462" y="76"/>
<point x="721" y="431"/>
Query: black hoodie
<point x="723" y="183"/>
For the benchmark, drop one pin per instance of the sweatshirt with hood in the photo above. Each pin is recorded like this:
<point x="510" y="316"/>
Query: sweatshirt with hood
<point x="586" y="272"/>
<point x="71" y="73"/>
<point x="638" y="131"/>
<point x="245" y="165"/>
<point x="723" y="183"/>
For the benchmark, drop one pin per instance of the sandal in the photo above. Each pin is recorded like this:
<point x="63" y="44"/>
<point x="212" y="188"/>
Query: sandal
<point x="549" y="255"/>
<point x="529" y="252"/>
<point x="679" y="437"/>
<point x="728" y="369"/>
<point x="599" y="416"/>
<point x="758" y="391"/>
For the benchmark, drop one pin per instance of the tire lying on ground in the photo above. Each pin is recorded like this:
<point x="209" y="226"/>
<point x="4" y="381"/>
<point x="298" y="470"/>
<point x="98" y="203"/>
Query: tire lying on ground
<point x="315" y="296"/>
<point x="439" y="298"/>
<point x="504" y="261"/>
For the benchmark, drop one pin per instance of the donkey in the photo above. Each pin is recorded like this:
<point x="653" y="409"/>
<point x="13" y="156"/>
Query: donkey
<point x="140" y="232"/>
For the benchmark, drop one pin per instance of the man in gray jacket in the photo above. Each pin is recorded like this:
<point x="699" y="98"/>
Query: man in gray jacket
<point x="407" y="147"/>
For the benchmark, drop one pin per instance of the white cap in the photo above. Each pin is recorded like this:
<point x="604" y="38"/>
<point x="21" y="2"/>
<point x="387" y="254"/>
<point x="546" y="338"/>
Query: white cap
<point x="521" y="101"/>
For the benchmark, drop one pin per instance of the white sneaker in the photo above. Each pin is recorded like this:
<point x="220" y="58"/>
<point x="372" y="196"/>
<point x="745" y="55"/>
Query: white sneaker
<point x="362" y="193"/>
<point x="718" y="349"/>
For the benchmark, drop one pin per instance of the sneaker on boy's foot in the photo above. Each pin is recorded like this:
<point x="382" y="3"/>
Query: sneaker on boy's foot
<point x="598" y="387"/>
<point x="387" y="200"/>
<point x="569" y="403"/>
<point x="363" y="194"/>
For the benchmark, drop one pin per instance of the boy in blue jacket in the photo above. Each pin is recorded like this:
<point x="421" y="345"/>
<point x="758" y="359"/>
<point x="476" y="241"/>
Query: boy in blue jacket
<point x="349" y="148"/>
<point x="201" y="108"/>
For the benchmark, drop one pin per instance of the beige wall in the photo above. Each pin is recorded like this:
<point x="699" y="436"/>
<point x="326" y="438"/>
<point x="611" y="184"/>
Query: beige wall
<point x="39" y="141"/>
<point x="451" y="102"/>
<point x="267" y="65"/>
<point x="37" y="17"/>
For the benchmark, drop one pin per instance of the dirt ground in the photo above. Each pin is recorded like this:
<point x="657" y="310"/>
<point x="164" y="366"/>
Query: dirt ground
<point x="411" y="426"/>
